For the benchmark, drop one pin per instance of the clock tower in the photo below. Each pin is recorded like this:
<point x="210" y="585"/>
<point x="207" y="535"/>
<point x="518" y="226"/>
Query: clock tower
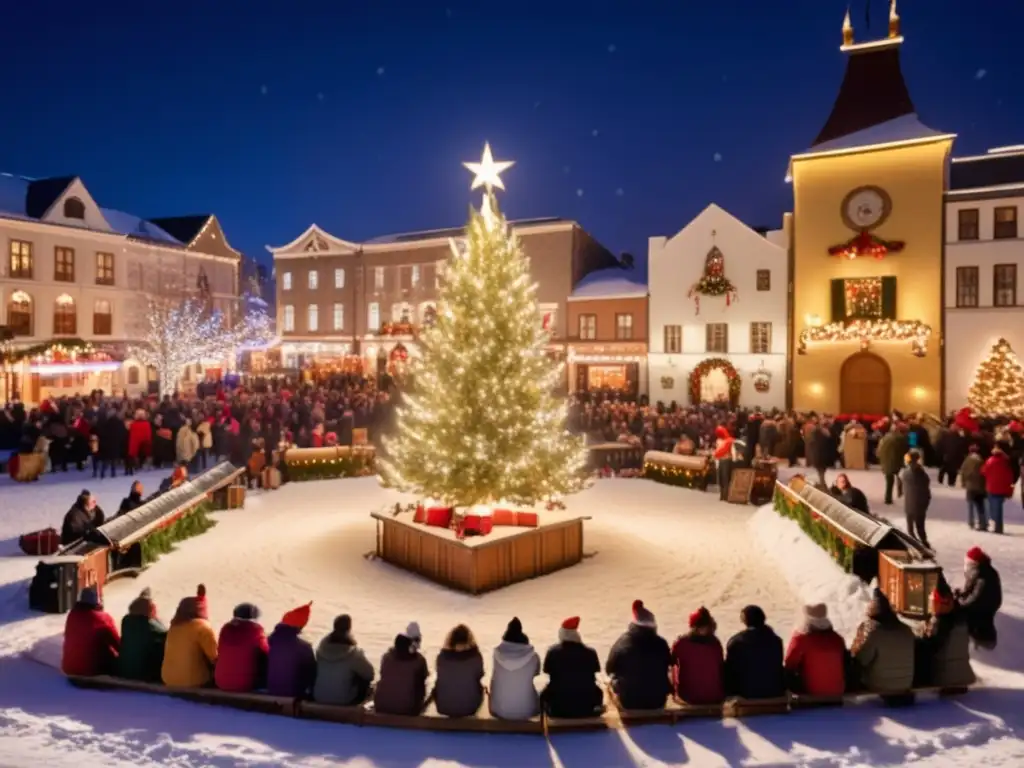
<point x="867" y="247"/>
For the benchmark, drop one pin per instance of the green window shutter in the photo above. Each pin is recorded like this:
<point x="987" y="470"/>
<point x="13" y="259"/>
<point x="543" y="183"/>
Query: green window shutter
<point x="889" y="298"/>
<point x="838" y="300"/>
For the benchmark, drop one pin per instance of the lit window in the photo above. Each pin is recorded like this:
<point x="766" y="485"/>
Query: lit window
<point x="1004" y="285"/>
<point x="65" y="316"/>
<point x="373" y="316"/>
<point x="339" y="278"/>
<point x="339" y="317"/>
<point x="104" y="268"/>
<point x="102" y="319"/>
<point x="1005" y="223"/>
<point x="64" y="264"/>
<point x="673" y="339"/>
<point x="588" y="327"/>
<point x="312" y="317"/>
<point x="378" y="278"/>
<point x="863" y="298"/>
<point x="289" y="318"/>
<point x="286" y="281"/>
<point x="415" y="275"/>
<point x="314" y="279"/>
<point x="21" y="260"/>
<point x="623" y="327"/>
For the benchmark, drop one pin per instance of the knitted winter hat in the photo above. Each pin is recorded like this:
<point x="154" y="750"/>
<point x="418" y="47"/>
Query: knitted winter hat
<point x="297" y="617"/>
<point x="817" y="616"/>
<point x="975" y="556"/>
<point x="90" y="596"/>
<point x="701" y="618"/>
<point x="143" y="605"/>
<point x="246" y="612"/>
<point x="643" y="617"/>
<point x="753" y="617"/>
<point x="569" y="631"/>
<point x="413" y="632"/>
<point x="514" y="633"/>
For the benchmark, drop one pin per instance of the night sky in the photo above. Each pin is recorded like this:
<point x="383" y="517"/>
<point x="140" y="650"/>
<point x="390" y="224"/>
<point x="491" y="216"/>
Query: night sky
<point x="628" y="117"/>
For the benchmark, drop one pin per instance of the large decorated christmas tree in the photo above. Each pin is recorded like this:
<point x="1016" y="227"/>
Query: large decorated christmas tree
<point x="998" y="388"/>
<point x="482" y="423"/>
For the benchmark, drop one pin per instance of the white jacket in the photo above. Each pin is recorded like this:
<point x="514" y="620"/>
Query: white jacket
<point x="513" y="696"/>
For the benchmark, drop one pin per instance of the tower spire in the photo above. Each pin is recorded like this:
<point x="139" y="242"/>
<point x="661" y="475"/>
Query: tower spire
<point x="894" y="20"/>
<point x="847" y="28"/>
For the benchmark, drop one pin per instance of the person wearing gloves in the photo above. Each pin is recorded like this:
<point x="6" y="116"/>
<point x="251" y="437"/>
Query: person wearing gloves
<point x="572" y="667"/>
<point x="516" y="664"/>
<point x="191" y="648"/>
<point x="638" y="663"/>
<point x="242" y="650"/>
<point x="402" y="688"/>
<point x="142" y="641"/>
<point x="291" y="663"/>
<point x="343" y="673"/>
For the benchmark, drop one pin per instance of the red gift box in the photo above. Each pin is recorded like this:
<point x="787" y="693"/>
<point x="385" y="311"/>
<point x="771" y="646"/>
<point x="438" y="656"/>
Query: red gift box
<point x="479" y="525"/>
<point x="440" y="517"/>
<point x="503" y="517"/>
<point x="526" y="519"/>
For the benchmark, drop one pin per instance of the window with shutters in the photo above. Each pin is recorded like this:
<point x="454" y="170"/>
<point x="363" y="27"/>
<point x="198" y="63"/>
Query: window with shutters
<point x="967" y="287"/>
<point x="1004" y="285"/>
<point x="864" y="298"/>
<point x="760" y="338"/>
<point x="717" y="338"/>
<point x="673" y="339"/>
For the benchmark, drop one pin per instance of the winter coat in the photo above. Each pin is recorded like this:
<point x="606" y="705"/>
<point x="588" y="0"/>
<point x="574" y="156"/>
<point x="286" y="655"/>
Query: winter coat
<point x="80" y="522"/>
<point x="572" y="689"/>
<point x="638" y="666"/>
<point x="942" y="656"/>
<point x="818" y="450"/>
<point x="142" y="648"/>
<point x="883" y="653"/>
<point x="998" y="474"/>
<point x="952" y="449"/>
<point x="917" y="492"/>
<point x="241" y="657"/>
<point x="140" y="439"/>
<point x="853" y="498"/>
<point x="698" y="672"/>
<point x="113" y="437"/>
<point x="291" y="663"/>
<point x="205" y="435"/>
<point x="402" y="687"/>
<point x="339" y="667"/>
<point x="459" y="690"/>
<point x="817" y="657"/>
<point x="970" y="474"/>
<point x="91" y="642"/>
<point x="186" y="445"/>
<point x="981" y="598"/>
<point x="753" y="664"/>
<point x="163" y="445"/>
<point x="768" y="437"/>
<point x="892" y="449"/>
<point x="513" y="695"/>
<point x="189" y="654"/>
<point x="130" y="502"/>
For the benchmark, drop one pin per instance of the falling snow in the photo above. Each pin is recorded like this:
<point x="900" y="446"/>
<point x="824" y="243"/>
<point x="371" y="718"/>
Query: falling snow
<point x="611" y="48"/>
<point x="620" y="192"/>
<point x="565" y="169"/>
<point x="717" y="157"/>
<point x="319" y="97"/>
<point x="594" y="132"/>
<point x="980" y="74"/>
<point x="380" y="70"/>
<point x="263" y="90"/>
<point x="536" y="105"/>
<point x="579" y="193"/>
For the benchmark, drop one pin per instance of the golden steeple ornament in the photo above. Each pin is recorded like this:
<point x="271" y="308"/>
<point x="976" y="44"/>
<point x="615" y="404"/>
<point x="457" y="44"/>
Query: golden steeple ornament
<point x="894" y="20"/>
<point x="847" y="28"/>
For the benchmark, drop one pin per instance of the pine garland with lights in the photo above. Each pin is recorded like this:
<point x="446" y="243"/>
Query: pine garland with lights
<point x="484" y="423"/>
<point x="704" y="367"/>
<point x="998" y="388"/>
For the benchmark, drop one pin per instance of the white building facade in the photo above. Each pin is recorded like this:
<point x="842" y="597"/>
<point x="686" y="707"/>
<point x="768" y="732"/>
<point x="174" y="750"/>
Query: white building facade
<point x="984" y="264"/>
<point x="716" y="341"/>
<point x="74" y="270"/>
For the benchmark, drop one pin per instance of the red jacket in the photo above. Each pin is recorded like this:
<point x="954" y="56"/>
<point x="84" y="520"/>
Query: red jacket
<point x="82" y="427"/>
<point x="241" y="656"/>
<point x="697" y="674"/>
<point x="819" y="658"/>
<point x="140" y="438"/>
<point x="91" y="642"/>
<point x="998" y="475"/>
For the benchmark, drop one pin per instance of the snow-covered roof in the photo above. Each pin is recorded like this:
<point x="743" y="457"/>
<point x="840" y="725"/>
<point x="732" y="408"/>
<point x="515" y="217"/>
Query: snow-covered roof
<point x="905" y="129"/>
<point x="134" y="226"/>
<point x="13" y="190"/>
<point x="614" y="282"/>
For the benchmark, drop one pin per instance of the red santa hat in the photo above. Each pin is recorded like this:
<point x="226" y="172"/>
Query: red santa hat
<point x="297" y="617"/>
<point x="569" y="631"/>
<point x="701" y="618"/>
<point x="975" y="556"/>
<point x="643" y="617"/>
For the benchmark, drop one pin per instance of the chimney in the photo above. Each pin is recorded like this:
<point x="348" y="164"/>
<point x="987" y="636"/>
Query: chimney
<point x="848" y="28"/>
<point x="894" y="20"/>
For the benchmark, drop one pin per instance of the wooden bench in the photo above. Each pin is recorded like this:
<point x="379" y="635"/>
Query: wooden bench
<point x="606" y="719"/>
<point x="667" y="714"/>
<point x="749" y="707"/>
<point x="249" y="702"/>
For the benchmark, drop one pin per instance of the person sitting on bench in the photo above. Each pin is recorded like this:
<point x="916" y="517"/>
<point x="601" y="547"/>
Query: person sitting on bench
<point x="816" y="657"/>
<point x="242" y="650"/>
<point x="84" y="517"/>
<point x="133" y="500"/>
<point x="291" y="663"/>
<point x="571" y="667"/>
<point x="459" y="690"/>
<point x="883" y="650"/>
<point x="942" y="656"/>
<point x="638" y="663"/>
<point x="91" y="641"/>
<point x="191" y="648"/>
<point x="753" y="659"/>
<point x="516" y="664"/>
<point x="142" y="641"/>
<point x="402" y="688"/>
<point x="698" y="662"/>
<point x="343" y="673"/>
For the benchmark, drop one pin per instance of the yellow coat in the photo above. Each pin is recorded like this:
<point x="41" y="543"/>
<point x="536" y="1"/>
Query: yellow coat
<point x="189" y="654"/>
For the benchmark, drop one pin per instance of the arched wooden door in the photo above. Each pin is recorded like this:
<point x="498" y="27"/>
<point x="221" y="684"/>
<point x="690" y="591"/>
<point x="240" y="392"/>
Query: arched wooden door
<point x="865" y="385"/>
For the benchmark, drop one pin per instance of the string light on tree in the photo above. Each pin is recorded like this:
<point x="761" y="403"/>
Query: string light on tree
<point x="482" y="423"/>
<point x="998" y="388"/>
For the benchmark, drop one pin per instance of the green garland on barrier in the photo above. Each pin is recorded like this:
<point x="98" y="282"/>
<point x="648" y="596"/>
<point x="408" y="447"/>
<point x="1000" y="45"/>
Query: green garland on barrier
<point x="816" y="531"/>
<point x="330" y="469"/>
<point x="684" y="478"/>
<point x="193" y="523"/>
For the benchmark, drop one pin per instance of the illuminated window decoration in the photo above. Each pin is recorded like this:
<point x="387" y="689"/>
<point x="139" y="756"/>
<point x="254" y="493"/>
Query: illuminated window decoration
<point x="866" y="245"/>
<point x="863" y="298"/>
<point x="64" y="300"/>
<point x="998" y="388"/>
<point x="868" y="331"/>
<point x="713" y="282"/>
<point x="762" y="379"/>
<point x="704" y="367"/>
<point x="20" y="297"/>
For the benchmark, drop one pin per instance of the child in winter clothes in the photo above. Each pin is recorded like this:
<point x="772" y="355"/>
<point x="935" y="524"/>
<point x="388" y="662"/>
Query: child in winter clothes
<point x="343" y="673"/>
<point x="698" y="662"/>
<point x="91" y="641"/>
<point x="191" y="648"/>
<point x="459" y="691"/>
<point x="242" y="650"/>
<point x="142" y="641"/>
<point x="816" y="657"/>
<point x="571" y="668"/>
<point x="516" y="664"/>
<point x="402" y="688"/>
<point x="638" y="663"/>
<point x="291" y="663"/>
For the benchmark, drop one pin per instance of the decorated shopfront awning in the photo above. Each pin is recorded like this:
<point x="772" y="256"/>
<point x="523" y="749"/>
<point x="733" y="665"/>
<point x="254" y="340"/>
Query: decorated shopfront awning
<point x="865" y="332"/>
<point x="66" y="356"/>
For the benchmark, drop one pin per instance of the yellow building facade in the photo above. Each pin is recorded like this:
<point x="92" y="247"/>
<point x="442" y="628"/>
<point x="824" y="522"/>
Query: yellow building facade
<point x="867" y="248"/>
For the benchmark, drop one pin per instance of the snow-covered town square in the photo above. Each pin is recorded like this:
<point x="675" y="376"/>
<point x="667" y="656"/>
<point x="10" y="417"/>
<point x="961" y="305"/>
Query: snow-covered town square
<point x="678" y="421"/>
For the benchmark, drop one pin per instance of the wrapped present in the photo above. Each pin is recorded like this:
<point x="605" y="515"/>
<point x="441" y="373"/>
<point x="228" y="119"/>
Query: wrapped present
<point x="527" y="519"/>
<point x="503" y="517"/>
<point x="476" y="525"/>
<point x="439" y="517"/>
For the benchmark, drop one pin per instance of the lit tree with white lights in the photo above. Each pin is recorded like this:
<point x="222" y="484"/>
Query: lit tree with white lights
<point x="998" y="388"/>
<point x="483" y="423"/>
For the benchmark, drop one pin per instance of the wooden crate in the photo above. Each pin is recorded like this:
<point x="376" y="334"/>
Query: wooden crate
<point x="907" y="582"/>
<point x="236" y="497"/>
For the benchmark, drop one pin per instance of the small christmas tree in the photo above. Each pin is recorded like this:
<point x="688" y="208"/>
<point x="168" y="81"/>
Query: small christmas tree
<point x="483" y="423"/>
<point x="998" y="388"/>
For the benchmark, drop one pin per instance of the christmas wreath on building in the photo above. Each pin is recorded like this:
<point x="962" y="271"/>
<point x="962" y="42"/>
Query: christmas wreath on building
<point x="704" y="367"/>
<point x="713" y="282"/>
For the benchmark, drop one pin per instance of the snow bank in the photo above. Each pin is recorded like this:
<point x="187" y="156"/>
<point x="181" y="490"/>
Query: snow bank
<point x="811" y="573"/>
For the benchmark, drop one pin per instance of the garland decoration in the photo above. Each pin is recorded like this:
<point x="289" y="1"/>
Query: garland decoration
<point x="865" y="244"/>
<point x="704" y="367"/>
<point x="713" y="282"/>
<point x="193" y="523"/>
<point x="867" y="331"/>
<point x="838" y="548"/>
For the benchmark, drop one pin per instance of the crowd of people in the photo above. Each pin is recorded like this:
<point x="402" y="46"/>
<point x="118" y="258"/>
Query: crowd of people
<point x="887" y="656"/>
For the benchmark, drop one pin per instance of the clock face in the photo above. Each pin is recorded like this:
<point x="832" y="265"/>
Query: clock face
<point x="866" y="208"/>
